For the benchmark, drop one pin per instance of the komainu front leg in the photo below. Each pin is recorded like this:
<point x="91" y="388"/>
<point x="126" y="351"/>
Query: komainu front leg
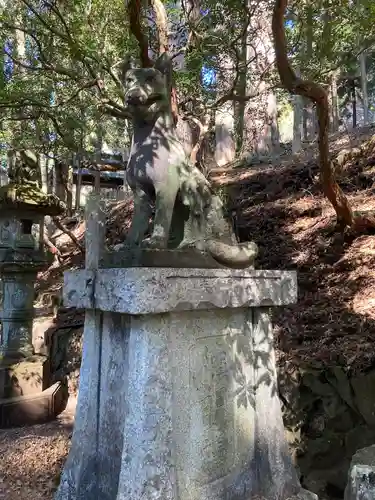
<point x="164" y="206"/>
<point x="141" y="218"/>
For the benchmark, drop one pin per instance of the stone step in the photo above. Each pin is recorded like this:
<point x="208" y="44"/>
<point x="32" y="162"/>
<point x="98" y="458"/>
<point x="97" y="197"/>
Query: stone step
<point x="35" y="408"/>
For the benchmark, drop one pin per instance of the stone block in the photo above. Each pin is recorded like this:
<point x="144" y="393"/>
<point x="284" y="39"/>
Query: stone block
<point x="35" y="408"/>
<point x="178" y="393"/>
<point x="40" y="327"/>
<point x="361" y="479"/>
<point x="156" y="290"/>
<point x="22" y="377"/>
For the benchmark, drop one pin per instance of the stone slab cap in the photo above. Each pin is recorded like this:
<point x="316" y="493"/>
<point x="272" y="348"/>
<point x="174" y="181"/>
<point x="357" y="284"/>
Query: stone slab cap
<point x="30" y="199"/>
<point x="157" y="290"/>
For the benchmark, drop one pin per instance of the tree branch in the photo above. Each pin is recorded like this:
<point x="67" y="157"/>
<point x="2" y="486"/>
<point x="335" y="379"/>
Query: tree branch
<point x="318" y="95"/>
<point x="135" y="12"/>
<point x="161" y="22"/>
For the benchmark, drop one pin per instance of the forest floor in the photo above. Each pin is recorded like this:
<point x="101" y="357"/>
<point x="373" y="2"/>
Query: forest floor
<point x="281" y="208"/>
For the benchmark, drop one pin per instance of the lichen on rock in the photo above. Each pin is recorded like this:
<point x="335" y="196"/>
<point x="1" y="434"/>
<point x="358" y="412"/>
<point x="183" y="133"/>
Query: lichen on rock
<point x="28" y="196"/>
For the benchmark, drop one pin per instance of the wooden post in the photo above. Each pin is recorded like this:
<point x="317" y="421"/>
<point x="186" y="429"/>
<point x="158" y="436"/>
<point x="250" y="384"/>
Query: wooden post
<point x="97" y="181"/>
<point x="77" y="163"/>
<point x="95" y="230"/>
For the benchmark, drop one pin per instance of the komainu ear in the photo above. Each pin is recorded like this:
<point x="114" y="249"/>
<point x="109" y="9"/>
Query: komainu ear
<point x="164" y="64"/>
<point x="124" y="66"/>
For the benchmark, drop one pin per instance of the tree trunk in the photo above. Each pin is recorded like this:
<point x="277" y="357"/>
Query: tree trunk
<point x="308" y="111"/>
<point x="334" y="104"/>
<point x="240" y="106"/>
<point x="98" y="157"/>
<point x="363" y="71"/>
<point x="43" y="162"/>
<point x="225" y="149"/>
<point x="273" y="128"/>
<point x="77" y="163"/>
<point x="261" y="112"/>
<point x="354" y="104"/>
<point x="60" y="179"/>
<point x="362" y="63"/>
<point x="297" y="124"/>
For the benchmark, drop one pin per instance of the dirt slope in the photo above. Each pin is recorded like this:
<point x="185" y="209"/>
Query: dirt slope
<point x="281" y="207"/>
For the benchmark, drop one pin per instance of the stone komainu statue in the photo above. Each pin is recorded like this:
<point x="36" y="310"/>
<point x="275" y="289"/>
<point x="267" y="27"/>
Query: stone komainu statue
<point x="187" y="214"/>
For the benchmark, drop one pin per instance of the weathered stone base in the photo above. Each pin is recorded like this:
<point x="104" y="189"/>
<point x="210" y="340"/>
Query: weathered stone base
<point x="33" y="408"/>
<point x="361" y="480"/>
<point x="178" y="393"/>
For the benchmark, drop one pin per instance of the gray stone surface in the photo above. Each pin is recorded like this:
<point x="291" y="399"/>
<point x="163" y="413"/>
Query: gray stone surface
<point x="304" y="495"/>
<point x="178" y="396"/>
<point x="361" y="478"/>
<point x="156" y="290"/>
<point x="24" y="379"/>
<point x="20" y="260"/>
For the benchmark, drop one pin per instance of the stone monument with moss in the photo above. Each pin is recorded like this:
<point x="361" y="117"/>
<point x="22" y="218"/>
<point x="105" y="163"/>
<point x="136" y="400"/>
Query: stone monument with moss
<point x="26" y="395"/>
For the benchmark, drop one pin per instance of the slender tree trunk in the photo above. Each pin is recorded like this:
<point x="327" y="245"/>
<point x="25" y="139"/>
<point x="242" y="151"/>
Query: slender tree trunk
<point x="362" y="63"/>
<point x="98" y="157"/>
<point x="363" y="72"/>
<point x="43" y="162"/>
<point x="60" y="179"/>
<point x="240" y="106"/>
<point x="225" y="150"/>
<point x="334" y="103"/>
<point x="297" y="124"/>
<point x="77" y="163"/>
<point x="354" y="103"/>
<point x="308" y="119"/>
<point x="261" y="124"/>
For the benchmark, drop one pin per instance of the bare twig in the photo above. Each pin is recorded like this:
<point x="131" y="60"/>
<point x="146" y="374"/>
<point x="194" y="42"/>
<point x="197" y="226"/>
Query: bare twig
<point x="65" y="230"/>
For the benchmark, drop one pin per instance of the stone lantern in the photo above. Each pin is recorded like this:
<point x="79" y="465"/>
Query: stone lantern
<point x="25" y="392"/>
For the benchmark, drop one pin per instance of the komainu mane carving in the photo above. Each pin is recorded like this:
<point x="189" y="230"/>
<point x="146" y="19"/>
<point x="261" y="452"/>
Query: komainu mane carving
<point x="187" y="214"/>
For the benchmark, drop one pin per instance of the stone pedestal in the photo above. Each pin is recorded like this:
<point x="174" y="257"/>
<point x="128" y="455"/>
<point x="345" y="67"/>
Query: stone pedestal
<point x="178" y="393"/>
<point x="25" y="393"/>
<point x="18" y="309"/>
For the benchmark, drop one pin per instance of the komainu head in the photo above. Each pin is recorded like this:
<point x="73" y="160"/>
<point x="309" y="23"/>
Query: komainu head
<point x="147" y="90"/>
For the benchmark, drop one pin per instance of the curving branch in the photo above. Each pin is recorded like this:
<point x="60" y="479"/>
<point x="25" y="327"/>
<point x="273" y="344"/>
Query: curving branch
<point x="318" y="95"/>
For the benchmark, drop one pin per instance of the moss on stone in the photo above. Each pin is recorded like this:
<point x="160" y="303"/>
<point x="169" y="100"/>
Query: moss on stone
<point x="28" y="196"/>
